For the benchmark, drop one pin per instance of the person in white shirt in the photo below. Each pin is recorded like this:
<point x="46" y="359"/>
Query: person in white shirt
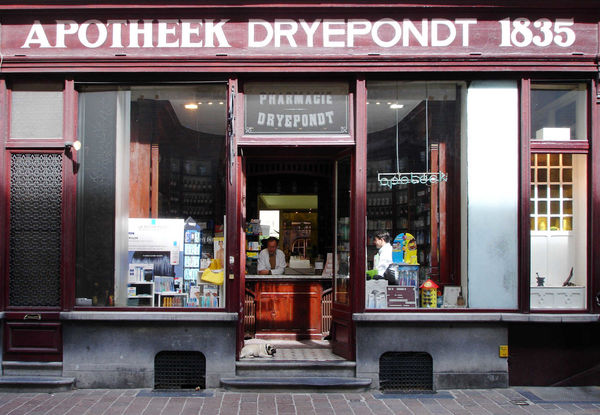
<point x="271" y="260"/>
<point x="383" y="258"/>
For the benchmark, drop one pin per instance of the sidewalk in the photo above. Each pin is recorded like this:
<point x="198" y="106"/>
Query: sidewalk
<point x="518" y="400"/>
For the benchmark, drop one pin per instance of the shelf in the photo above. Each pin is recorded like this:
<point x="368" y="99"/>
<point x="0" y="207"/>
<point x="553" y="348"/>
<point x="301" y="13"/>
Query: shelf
<point x="140" y="296"/>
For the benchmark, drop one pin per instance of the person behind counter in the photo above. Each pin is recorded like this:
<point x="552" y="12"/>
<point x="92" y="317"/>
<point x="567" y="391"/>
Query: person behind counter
<point x="383" y="258"/>
<point x="271" y="260"/>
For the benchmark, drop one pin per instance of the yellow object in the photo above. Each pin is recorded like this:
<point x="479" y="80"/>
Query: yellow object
<point x="503" y="352"/>
<point x="214" y="274"/>
<point x="410" y="250"/>
<point x="429" y="294"/>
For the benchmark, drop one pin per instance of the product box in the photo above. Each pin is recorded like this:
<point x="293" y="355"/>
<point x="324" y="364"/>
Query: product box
<point x="376" y="293"/>
<point x="554" y="134"/>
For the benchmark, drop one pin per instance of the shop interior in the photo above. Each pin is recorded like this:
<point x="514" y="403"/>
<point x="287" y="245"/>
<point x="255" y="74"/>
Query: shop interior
<point x="290" y="196"/>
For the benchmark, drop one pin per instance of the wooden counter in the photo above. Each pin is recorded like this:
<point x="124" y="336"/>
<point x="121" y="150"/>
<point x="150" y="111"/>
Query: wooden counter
<point x="288" y="306"/>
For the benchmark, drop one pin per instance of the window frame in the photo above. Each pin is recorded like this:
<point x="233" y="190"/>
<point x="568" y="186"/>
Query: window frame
<point x="228" y="286"/>
<point x="587" y="147"/>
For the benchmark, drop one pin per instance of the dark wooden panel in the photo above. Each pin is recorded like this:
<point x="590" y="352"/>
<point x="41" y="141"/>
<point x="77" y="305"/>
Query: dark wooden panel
<point x="36" y="341"/>
<point x="289" y="307"/>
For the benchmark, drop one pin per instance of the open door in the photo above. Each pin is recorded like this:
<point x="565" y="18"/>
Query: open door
<point x="342" y="333"/>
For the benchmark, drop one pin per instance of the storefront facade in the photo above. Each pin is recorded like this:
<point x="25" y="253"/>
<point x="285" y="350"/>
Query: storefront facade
<point x="142" y="146"/>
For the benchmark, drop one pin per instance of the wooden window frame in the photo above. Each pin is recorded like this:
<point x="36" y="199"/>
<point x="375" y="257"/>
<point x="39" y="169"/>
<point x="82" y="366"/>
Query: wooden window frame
<point x="587" y="147"/>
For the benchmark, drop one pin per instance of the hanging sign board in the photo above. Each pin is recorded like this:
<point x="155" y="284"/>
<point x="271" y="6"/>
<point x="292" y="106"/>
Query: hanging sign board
<point x="298" y="108"/>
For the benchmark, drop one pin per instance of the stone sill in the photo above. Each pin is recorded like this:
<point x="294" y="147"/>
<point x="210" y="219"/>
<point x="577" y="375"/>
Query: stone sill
<point x="138" y="316"/>
<point x="474" y="317"/>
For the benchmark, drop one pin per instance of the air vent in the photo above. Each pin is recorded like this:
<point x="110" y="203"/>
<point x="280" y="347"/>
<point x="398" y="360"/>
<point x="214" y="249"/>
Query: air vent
<point x="179" y="370"/>
<point x="406" y="372"/>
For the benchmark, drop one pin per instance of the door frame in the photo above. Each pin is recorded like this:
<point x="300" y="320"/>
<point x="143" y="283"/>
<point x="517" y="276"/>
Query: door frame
<point x="34" y="333"/>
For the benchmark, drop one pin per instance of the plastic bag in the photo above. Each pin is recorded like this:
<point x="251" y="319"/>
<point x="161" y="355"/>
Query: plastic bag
<point x="214" y="274"/>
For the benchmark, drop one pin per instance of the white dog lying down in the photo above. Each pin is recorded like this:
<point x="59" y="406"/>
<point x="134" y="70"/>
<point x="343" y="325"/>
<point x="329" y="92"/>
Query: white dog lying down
<point x="258" y="350"/>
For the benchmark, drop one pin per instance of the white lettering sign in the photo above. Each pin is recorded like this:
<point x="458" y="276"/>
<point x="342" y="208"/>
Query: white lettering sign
<point x="282" y="34"/>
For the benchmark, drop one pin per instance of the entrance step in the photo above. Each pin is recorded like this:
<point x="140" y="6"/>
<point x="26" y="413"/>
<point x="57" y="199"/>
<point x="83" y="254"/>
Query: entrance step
<point x="36" y="384"/>
<point x="283" y="369"/>
<point x="305" y="384"/>
<point x="10" y="368"/>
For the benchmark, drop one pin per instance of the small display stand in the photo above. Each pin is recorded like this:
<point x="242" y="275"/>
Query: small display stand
<point x="192" y="250"/>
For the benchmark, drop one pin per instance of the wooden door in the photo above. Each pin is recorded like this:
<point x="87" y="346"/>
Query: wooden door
<point x="38" y="252"/>
<point x="342" y="333"/>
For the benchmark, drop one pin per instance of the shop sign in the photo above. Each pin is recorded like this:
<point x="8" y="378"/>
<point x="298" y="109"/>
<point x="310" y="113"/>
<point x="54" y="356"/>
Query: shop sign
<point x="317" y="37"/>
<point x="394" y="179"/>
<point x="296" y="108"/>
<point x="401" y="297"/>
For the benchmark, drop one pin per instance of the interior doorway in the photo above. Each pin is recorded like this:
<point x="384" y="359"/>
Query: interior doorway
<point x="296" y="199"/>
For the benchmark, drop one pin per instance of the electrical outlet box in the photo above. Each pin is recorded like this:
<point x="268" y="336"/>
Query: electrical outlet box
<point x="503" y="351"/>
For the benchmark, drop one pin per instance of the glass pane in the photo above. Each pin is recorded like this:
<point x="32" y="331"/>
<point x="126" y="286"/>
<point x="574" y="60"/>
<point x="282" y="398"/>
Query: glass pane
<point x="542" y="192"/>
<point x="554" y="159"/>
<point x="532" y="223"/>
<point x="558" y="277"/>
<point x="342" y="262"/>
<point x="542" y="175"/>
<point x="415" y="127"/>
<point x="558" y="111"/>
<point x="36" y="114"/>
<point x="554" y="175"/>
<point x="542" y="224"/>
<point x="532" y="207"/>
<point x="542" y="159"/>
<point x="542" y="208"/>
<point x="533" y="157"/>
<point x="168" y="245"/>
<point x="567" y="175"/>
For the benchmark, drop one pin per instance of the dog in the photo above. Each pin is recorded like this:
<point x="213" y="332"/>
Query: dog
<point x="258" y="350"/>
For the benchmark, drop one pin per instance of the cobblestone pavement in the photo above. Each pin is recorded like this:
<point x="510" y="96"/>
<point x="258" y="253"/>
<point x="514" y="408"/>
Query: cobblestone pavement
<point x="144" y="402"/>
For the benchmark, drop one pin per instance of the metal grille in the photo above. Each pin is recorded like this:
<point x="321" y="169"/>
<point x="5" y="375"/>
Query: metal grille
<point x="406" y="372"/>
<point x="179" y="370"/>
<point x="36" y="188"/>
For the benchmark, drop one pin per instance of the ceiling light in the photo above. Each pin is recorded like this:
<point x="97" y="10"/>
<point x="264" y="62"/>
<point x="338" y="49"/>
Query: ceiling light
<point x="210" y="103"/>
<point x="396" y="106"/>
<point x="191" y="106"/>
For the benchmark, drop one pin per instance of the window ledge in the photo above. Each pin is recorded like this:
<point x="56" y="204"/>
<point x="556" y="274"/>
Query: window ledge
<point x="137" y="316"/>
<point x="475" y="317"/>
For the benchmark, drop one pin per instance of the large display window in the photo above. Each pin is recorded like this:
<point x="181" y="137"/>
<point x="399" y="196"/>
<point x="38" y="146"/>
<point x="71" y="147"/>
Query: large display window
<point x="151" y="196"/>
<point x="413" y="166"/>
<point x="558" y="196"/>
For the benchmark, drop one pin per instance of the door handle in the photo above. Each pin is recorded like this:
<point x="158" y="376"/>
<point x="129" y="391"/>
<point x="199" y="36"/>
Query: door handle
<point x="32" y="317"/>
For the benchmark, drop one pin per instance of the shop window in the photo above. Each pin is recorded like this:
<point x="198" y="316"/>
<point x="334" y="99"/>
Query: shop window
<point x="36" y="111"/>
<point x="558" y="111"/>
<point x="413" y="166"/>
<point x="558" y="230"/>
<point x="151" y="197"/>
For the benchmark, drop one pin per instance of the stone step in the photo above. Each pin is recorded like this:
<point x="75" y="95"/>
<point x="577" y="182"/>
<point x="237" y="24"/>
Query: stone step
<point x="36" y="384"/>
<point x="304" y="384"/>
<point x="260" y="368"/>
<point x="10" y="368"/>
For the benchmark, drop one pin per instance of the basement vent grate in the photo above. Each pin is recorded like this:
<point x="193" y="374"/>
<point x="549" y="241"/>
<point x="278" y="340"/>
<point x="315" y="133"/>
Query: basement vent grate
<point x="179" y="370"/>
<point x="406" y="372"/>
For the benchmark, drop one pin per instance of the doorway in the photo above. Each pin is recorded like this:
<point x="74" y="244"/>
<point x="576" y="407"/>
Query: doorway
<point x="298" y="200"/>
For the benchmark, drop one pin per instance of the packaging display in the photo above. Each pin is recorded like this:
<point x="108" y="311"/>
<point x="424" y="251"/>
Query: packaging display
<point x="167" y="263"/>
